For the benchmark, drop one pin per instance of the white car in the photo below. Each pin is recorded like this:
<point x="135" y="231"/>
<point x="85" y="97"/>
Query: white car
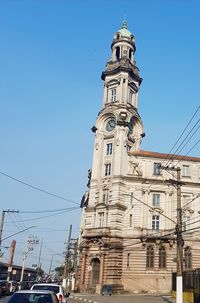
<point x="29" y="296"/>
<point x="56" y="288"/>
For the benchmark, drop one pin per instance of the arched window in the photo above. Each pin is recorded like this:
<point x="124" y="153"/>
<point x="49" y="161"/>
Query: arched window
<point x="162" y="257"/>
<point x="130" y="54"/>
<point x="117" y="52"/>
<point x="95" y="271"/>
<point x="188" y="257"/>
<point x="150" y="257"/>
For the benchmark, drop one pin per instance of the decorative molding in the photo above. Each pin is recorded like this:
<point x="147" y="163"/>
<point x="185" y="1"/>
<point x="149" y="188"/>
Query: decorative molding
<point x="135" y="168"/>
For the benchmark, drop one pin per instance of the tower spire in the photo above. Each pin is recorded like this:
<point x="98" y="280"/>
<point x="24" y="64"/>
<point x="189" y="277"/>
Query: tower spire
<point x="124" y="24"/>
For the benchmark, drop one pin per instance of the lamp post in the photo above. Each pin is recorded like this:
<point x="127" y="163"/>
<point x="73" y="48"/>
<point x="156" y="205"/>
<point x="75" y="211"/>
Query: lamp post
<point x="31" y="241"/>
<point x="52" y="262"/>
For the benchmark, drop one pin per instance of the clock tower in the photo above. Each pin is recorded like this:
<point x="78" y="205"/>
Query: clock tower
<point x="118" y="127"/>
<point x="118" y="131"/>
<point x="129" y="212"/>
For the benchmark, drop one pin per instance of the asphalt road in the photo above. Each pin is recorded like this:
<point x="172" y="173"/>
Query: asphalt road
<point x="78" y="298"/>
<point x="4" y="299"/>
<point x="87" y="298"/>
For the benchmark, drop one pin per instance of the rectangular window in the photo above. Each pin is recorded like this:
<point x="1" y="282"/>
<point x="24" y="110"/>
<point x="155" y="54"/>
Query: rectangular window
<point x="186" y="223"/>
<point x="109" y="149"/>
<point x="131" y="97"/>
<point x="186" y="171"/>
<point x="156" y="200"/>
<point x="101" y="219"/>
<point x="162" y="257"/>
<point x="128" y="148"/>
<point x="128" y="260"/>
<point x="131" y="220"/>
<point x="107" y="169"/>
<point x="113" y="95"/>
<point x="188" y="257"/>
<point x="155" y="222"/>
<point x="157" y="169"/>
<point x="105" y="196"/>
<point x="150" y="257"/>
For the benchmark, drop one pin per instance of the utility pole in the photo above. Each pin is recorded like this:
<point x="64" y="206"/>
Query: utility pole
<point x="66" y="266"/>
<point x="179" y="273"/>
<point x="179" y="239"/>
<point x="39" y="259"/>
<point x="1" y="230"/>
<point x="10" y="261"/>
<point x="74" y="264"/>
<point x="2" y="224"/>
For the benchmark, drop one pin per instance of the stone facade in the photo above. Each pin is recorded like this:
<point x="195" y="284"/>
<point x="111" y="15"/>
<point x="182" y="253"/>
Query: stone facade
<point x="129" y="212"/>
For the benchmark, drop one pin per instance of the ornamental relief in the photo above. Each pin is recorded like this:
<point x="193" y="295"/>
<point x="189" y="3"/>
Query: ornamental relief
<point x="156" y="210"/>
<point x="135" y="168"/>
<point x="91" y="243"/>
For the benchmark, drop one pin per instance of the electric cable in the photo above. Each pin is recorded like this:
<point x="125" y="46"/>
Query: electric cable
<point x="37" y="188"/>
<point x="55" y="214"/>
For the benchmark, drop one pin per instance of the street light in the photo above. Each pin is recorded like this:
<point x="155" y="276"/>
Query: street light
<point x="30" y="242"/>
<point x="52" y="262"/>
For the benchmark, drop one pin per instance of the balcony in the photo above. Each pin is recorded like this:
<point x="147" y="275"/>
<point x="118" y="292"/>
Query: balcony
<point x="96" y="232"/>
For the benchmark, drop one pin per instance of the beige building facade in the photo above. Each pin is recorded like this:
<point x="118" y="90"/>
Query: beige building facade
<point x="129" y="212"/>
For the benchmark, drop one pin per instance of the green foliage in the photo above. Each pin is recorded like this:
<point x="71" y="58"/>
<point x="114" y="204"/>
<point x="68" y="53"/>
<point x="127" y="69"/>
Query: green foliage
<point x="59" y="270"/>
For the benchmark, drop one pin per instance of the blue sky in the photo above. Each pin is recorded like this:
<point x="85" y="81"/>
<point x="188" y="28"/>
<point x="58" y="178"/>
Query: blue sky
<point x="52" y="55"/>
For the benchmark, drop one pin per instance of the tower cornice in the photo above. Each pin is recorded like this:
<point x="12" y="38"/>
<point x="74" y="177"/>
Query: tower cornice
<point x="122" y="65"/>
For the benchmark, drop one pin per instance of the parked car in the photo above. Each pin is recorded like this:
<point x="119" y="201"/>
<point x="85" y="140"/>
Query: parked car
<point x="36" y="296"/>
<point x="56" y="288"/>
<point x="5" y="288"/>
<point x="106" y="290"/>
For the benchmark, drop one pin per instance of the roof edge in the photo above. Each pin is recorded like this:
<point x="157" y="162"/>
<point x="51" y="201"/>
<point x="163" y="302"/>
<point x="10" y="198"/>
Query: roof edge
<point x="146" y="153"/>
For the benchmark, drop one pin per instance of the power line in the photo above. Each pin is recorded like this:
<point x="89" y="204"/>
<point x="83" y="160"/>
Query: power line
<point x="37" y="188"/>
<point x="58" y="213"/>
<point x="43" y="211"/>
<point x="170" y="157"/>
<point x="178" y="150"/>
<point x="185" y="128"/>
<point x="191" y="201"/>
<point x="152" y="208"/>
<point x="183" y="157"/>
<point x="17" y="233"/>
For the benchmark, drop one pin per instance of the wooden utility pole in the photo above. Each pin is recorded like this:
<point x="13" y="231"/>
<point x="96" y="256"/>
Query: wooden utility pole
<point x="2" y="224"/>
<point x="1" y="228"/>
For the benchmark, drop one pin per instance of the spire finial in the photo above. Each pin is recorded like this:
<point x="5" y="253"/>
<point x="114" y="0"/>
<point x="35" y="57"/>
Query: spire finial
<point x="124" y="24"/>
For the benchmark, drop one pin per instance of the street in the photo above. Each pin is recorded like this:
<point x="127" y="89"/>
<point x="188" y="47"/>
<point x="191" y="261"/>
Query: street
<point x="133" y="298"/>
<point x="92" y="298"/>
<point x="4" y="299"/>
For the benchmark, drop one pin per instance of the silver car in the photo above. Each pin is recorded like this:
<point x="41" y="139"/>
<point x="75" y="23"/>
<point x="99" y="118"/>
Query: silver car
<point x="56" y="288"/>
<point x="33" y="296"/>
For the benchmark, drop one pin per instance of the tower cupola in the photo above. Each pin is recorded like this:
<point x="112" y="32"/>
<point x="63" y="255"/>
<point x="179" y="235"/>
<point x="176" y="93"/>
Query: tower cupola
<point x="121" y="76"/>
<point x="123" y="45"/>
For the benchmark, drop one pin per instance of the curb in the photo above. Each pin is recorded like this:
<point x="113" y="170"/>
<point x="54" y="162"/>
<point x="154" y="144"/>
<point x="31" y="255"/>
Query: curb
<point x="82" y="299"/>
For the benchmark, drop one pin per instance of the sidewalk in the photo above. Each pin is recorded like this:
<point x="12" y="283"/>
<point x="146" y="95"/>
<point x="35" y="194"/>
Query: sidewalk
<point x="126" y="298"/>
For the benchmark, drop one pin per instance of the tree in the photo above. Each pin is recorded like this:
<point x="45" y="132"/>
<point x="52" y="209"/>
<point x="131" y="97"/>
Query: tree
<point x="60" y="270"/>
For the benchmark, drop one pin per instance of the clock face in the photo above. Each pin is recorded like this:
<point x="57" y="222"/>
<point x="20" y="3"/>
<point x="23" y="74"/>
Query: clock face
<point x="110" y="125"/>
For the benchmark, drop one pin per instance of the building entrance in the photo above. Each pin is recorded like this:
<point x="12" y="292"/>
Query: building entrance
<point x="95" y="272"/>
